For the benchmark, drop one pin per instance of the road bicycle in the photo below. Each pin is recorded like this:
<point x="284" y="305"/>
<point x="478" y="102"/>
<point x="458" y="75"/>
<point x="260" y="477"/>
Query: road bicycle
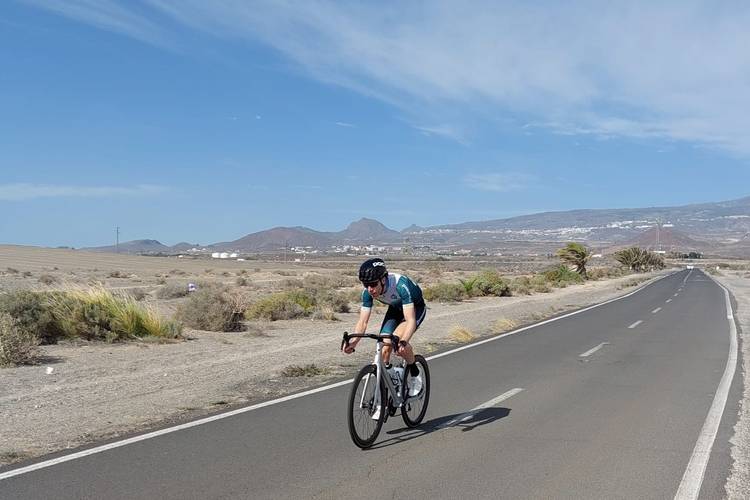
<point x="378" y="393"/>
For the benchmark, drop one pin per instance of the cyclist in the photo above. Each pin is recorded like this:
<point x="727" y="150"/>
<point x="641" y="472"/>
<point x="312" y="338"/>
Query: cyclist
<point x="406" y="311"/>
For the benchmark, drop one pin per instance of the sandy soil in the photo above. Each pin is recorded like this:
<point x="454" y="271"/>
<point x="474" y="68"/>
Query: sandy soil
<point x="83" y="392"/>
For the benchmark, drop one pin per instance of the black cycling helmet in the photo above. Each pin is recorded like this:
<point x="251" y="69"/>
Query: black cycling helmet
<point x="372" y="270"/>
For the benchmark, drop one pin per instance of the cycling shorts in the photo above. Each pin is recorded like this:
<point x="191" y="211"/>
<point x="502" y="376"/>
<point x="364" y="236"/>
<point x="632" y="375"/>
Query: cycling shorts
<point x="394" y="316"/>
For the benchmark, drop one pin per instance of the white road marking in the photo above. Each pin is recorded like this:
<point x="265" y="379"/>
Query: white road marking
<point x="636" y="324"/>
<point x="488" y="404"/>
<point x="690" y="486"/>
<point x="219" y="416"/>
<point x="656" y="310"/>
<point x="676" y="294"/>
<point x="592" y="351"/>
<point x="687" y="276"/>
<point x="669" y="300"/>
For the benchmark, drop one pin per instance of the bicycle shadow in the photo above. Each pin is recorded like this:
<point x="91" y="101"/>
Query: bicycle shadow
<point x="465" y="421"/>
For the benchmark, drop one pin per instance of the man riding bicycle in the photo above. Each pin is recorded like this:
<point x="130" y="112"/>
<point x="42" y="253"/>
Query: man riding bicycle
<point x="406" y="311"/>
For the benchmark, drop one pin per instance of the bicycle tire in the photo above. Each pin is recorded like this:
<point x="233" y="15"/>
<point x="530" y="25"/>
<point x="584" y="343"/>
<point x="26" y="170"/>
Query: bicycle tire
<point x="414" y="408"/>
<point x="362" y="428"/>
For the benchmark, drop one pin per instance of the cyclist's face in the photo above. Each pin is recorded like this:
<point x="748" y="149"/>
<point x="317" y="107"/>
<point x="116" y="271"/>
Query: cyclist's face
<point x="374" y="289"/>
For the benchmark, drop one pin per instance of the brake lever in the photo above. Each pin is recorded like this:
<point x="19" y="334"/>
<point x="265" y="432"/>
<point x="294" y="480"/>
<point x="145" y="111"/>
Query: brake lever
<point x="345" y="341"/>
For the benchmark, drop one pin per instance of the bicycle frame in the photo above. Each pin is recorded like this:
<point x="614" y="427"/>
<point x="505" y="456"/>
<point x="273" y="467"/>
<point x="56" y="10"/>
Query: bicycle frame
<point x="394" y="392"/>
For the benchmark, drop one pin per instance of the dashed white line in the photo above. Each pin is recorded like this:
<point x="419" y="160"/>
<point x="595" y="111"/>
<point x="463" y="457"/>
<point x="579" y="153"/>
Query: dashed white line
<point x="636" y="324"/>
<point x="676" y="294"/>
<point x="488" y="404"/>
<point x="656" y="310"/>
<point x="592" y="351"/>
<point x="669" y="300"/>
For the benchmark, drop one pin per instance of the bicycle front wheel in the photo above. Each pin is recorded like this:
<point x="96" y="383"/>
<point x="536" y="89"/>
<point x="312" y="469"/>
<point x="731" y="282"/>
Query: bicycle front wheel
<point x="363" y="428"/>
<point x="415" y="406"/>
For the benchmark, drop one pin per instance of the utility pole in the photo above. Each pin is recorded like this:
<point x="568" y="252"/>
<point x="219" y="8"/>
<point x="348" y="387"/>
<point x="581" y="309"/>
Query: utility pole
<point x="117" y="240"/>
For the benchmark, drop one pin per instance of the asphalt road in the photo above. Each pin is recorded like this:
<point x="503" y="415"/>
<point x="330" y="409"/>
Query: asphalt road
<point x="606" y="403"/>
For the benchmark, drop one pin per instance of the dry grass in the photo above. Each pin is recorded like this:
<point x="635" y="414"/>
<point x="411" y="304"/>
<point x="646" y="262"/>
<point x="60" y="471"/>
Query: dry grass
<point x="461" y="335"/>
<point x="503" y="325"/>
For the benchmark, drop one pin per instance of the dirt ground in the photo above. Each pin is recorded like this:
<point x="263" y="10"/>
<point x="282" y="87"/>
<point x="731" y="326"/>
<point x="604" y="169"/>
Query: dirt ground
<point x="84" y="392"/>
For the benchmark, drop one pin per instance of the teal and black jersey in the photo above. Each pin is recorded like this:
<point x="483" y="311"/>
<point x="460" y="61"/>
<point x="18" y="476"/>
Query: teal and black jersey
<point x="399" y="291"/>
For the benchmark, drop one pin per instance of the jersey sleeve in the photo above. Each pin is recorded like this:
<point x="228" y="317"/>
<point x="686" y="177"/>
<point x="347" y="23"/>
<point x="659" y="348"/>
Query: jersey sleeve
<point x="366" y="300"/>
<point x="404" y="293"/>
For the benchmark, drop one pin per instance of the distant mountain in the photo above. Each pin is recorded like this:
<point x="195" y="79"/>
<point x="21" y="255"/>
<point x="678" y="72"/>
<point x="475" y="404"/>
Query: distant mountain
<point x="277" y="238"/>
<point x="369" y="231"/>
<point x="134" y="247"/>
<point x="722" y="228"/>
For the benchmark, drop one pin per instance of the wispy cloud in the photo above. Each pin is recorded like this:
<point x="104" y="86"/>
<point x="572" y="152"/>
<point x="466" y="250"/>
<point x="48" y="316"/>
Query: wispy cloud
<point x="675" y="70"/>
<point x="24" y="191"/>
<point x="499" y="182"/>
<point x="344" y="124"/>
<point x="445" y="130"/>
<point x="110" y="15"/>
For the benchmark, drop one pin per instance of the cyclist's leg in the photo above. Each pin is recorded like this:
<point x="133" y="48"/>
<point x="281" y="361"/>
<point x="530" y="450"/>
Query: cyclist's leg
<point x="420" y="310"/>
<point x="393" y="317"/>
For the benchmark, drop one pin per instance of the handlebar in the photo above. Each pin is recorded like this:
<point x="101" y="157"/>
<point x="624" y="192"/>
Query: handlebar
<point x="345" y="341"/>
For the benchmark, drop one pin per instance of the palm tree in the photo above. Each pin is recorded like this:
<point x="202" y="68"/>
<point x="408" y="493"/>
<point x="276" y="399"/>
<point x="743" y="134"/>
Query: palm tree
<point x="576" y="255"/>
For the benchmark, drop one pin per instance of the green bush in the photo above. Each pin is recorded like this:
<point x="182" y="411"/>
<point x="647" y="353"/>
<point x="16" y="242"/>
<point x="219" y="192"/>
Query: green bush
<point x="213" y="308"/>
<point x="283" y="305"/>
<point x="17" y="346"/>
<point x="562" y="276"/>
<point x="445" y="292"/>
<point x="32" y="313"/>
<point x="489" y="282"/>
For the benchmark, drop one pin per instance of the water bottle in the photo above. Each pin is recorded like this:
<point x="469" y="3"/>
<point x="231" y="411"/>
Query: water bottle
<point x="396" y="374"/>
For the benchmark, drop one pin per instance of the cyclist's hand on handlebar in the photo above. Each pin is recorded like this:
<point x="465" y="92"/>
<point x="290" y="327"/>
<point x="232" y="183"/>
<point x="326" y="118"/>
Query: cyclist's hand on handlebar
<point x="349" y="348"/>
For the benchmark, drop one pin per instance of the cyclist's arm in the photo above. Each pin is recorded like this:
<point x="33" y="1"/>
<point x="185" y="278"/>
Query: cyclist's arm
<point x="364" y="318"/>
<point x="360" y="327"/>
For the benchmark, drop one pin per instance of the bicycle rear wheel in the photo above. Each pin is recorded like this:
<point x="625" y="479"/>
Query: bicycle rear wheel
<point x="362" y="427"/>
<point x="415" y="407"/>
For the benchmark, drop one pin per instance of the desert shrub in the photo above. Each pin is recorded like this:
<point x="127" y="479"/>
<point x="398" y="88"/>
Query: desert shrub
<point x="325" y="313"/>
<point x="172" y="291"/>
<point x="284" y="305"/>
<point x="468" y="284"/>
<point x="117" y="274"/>
<point x="97" y="314"/>
<point x="562" y="276"/>
<point x="32" y="313"/>
<point x="445" y="292"/>
<point x="336" y="301"/>
<point x="17" y="346"/>
<point x="521" y="286"/>
<point x="489" y="282"/>
<point x="599" y="273"/>
<point x="12" y="270"/>
<point x="26" y="274"/>
<point x="241" y="281"/>
<point x="47" y="279"/>
<point x="540" y="284"/>
<point x="291" y="284"/>
<point x="214" y="308"/>
<point x="177" y="272"/>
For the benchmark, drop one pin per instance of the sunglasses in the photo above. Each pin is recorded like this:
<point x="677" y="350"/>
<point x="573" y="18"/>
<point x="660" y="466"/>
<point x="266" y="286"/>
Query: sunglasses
<point x="371" y="284"/>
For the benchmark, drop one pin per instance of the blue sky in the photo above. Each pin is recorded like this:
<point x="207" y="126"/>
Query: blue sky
<point x="205" y="121"/>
